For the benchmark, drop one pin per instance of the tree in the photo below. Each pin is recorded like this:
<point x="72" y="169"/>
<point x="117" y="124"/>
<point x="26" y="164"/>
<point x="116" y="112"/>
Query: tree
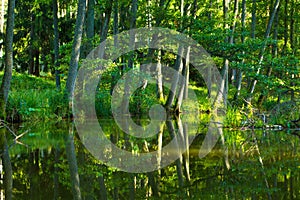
<point x="262" y="51"/>
<point x="239" y="74"/>
<point x="4" y="90"/>
<point x="5" y="85"/>
<point x="90" y="24"/>
<point x="69" y="95"/>
<point x="75" y="50"/>
<point x="56" y="44"/>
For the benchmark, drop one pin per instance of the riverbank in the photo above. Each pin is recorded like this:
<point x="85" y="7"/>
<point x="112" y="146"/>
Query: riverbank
<point x="37" y="99"/>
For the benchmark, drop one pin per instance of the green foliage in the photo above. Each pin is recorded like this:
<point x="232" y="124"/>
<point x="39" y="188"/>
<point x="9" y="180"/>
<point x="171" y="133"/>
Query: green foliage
<point x="233" y="117"/>
<point x="285" y="113"/>
<point x="33" y="98"/>
<point x="35" y="105"/>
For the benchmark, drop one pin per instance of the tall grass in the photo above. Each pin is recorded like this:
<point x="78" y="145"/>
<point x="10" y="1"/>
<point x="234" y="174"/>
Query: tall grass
<point x="33" y="99"/>
<point x="35" y="105"/>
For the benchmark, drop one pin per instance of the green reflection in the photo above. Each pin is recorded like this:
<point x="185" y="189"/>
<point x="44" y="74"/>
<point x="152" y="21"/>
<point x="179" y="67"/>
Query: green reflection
<point x="261" y="164"/>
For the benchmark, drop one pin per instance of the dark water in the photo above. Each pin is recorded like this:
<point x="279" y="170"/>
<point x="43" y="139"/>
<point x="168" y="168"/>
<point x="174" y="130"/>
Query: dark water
<point x="50" y="162"/>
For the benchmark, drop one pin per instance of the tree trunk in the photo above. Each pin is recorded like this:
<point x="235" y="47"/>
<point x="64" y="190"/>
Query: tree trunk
<point x="2" y="23"/>
<point x="5" y="85"/>
<point x="261" y="54"/>
<point x="132" y="26"/>
<point x="285" y="30"/>
<point x="105" y="27"/>
<point x="75" y="51"/>
<point x="253" y="20"/>
<point x="116" y="22"/>
<point x="184" y="82"/>
<point x="222" y="95"/>
<point x="238" y="82"/>
<point x="90" y="24"/>
<point x="292" y="26"/>
<point x="292" y="42"/>
<point x="263" y="94"/>
<point x="56" y="44"/>
<point x="125" y="103"/>
<point x="178" y="68"/>
<point x="159" y="82"/>
<point x="116" y="41"/>
<point x="31" y="43"/>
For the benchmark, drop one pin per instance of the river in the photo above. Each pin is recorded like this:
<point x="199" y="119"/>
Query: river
<point x="50" y="162"/>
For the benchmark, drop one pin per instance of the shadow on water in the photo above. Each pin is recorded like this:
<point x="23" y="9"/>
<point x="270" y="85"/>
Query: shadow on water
<point x="50" y="162"/>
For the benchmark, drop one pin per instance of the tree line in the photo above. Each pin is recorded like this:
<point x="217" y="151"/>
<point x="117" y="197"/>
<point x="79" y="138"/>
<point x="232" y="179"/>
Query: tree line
<point x="255" y="44"/>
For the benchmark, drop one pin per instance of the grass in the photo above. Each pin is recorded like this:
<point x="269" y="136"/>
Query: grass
<point x="36" y="99"/>
<point x="33" y="99"/>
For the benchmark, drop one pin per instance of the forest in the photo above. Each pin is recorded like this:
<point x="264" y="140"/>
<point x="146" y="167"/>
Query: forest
<point x="148" y="70"/>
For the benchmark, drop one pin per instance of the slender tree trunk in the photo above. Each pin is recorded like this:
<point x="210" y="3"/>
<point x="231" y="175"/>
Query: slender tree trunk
<point x="116" y="41"/>
<point x="253" y="20"/>
<point x="183" y="83"/>
<point x="105" y="27"/>
<point x="178" y="68"/>
<point x="2" y="22"/>
<point x="238" y="82"/>
<point x="261" y="55"/>
<point x="90" y="24"/>
<point x="132" y="26"/>
<point x="187" y="60"/>
<point x="56" y="44"/>
<point x="224" y="83"/>
<point x="292" y="42"/>
<point x="263" y="94"/>
<point x="134" y="7"/>
<point x="178" y="64"/>
<point x="187" y="75"/>
<point x="159" y="82"/>
<point x="75" y="50"/>
<point x="285" y="30"/>
<point x="31" y="43"/>
<point x="5" y="85"/>
<point x="292" y="26"/>
<point x="116" y="22"/>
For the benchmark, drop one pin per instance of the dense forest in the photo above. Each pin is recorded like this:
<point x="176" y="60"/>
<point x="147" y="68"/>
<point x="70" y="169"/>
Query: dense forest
<point x="253" y="44"/>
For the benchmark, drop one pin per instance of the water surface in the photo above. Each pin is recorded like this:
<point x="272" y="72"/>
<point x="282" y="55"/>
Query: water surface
<point x="50" y="162"/>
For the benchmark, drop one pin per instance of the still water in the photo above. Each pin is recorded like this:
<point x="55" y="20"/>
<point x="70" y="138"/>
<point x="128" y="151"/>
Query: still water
<point x="50" y="162"/>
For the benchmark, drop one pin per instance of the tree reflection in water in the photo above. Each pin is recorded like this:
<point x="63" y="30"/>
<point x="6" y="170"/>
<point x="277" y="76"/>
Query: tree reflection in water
<point x="53" y="161"/>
